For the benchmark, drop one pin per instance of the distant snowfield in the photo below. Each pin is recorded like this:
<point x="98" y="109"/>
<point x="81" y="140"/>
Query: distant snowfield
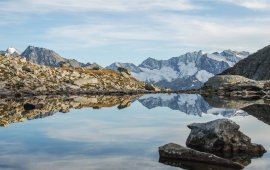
<point x="155" y="75"/>
<point x="203" y="75"/>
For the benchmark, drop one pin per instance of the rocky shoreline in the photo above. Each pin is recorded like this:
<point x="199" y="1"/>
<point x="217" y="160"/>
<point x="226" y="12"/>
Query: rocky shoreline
<point x="235" y="85"/>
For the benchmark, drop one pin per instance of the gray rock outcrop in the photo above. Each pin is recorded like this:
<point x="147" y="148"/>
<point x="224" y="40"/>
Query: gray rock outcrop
<point x="235" y="85"/>
<point x="221" y="136"/>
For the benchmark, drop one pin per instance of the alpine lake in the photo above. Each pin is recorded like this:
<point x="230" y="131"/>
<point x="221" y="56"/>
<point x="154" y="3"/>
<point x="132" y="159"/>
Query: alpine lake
<point x="117" y="132"/>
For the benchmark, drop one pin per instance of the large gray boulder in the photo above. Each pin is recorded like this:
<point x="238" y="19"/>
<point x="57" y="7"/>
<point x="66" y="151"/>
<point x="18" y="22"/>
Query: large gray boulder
<point x="176" y="153"/>
<point x="221" y="136"/>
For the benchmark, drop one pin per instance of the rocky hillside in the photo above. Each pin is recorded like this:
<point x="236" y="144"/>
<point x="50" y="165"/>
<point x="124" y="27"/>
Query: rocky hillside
<point x="255" y="67"/>
<point x="48" y="57"/>
<point x="188" y="71"/>
<point x="20" y="77"/>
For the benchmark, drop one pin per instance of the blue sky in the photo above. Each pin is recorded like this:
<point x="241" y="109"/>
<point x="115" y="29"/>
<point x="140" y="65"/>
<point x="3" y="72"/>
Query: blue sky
<point x="105" y="31"/>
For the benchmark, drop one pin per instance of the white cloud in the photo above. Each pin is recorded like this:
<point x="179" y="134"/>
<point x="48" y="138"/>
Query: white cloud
<point x="97" y="5"/>
<point x="251" y="4"/>
<point x="192" y="32"/>
<point x="98" y="34"/>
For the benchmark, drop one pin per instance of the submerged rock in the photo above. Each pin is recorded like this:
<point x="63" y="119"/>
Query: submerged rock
<point x="174" y="153"/>
<point x="221" y="136"/>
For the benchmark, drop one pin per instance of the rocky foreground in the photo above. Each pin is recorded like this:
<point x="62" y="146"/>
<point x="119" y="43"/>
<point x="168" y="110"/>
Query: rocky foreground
<point x="21" y="78"/>
<point x="218" y="143"/>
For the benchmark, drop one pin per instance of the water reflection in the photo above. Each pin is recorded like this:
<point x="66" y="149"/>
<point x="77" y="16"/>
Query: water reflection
<point x="14" y="110"/>
<point x="113" y="137"/>
<point x="18" y="110"/>
<point x="191" y="104"/>
<point x="259" y="107"/>
<point x="188" y="165"/>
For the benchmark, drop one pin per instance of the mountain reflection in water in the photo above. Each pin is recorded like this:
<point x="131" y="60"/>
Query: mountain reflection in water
<point x="120" y="132"/>
<point x="13" y="110"/>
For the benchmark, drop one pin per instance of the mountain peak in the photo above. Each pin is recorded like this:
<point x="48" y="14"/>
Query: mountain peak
<point x="12" y="50"/>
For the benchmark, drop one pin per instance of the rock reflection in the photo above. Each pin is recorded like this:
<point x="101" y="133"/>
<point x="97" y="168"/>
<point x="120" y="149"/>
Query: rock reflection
<point x="188" y="165"/>
<point x="259" y="108"/>
<point x="18" y="110"/>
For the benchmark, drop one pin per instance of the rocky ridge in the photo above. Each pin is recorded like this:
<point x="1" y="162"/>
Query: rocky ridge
<point x="48" y="57"/>
<point x="20" y="77"/>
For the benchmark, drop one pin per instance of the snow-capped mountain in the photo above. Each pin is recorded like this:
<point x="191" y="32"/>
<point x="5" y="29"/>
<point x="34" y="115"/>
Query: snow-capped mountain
<point x="188" y="71"/>
<point x="48" y="57"/>
<point x="12" y="52"/>
<point x="191" y="104"/>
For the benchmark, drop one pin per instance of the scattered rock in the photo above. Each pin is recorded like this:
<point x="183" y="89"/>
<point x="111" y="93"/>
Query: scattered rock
<point x="27" y="69"/>
<point x="121" y="69"/>
<point x="29" y="106"/>
<point x="176" y="152"/>
<point x="221" y="136"/>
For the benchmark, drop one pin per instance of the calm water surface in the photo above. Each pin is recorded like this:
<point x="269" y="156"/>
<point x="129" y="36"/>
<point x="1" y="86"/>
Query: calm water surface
<point x="113" y="138"/>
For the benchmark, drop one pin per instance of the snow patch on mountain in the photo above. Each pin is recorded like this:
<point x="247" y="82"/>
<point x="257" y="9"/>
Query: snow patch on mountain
<point x="187" y="69"/>
<point x="12" y="50"/>
<point x="155" y="75"/>
<point x="203" y="75"/>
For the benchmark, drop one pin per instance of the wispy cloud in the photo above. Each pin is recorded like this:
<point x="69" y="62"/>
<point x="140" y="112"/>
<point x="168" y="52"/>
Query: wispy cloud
<point x="97" y="5"/>
<point x="135" y="27"/>
<point x="251" y="4"/>
<point x="192" y="32"/>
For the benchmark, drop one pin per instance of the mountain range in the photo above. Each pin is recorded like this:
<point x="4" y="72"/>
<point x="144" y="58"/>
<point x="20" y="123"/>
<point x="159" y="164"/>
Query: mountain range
<point x="188" y="71"/>
<point x="46" y="57"/>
